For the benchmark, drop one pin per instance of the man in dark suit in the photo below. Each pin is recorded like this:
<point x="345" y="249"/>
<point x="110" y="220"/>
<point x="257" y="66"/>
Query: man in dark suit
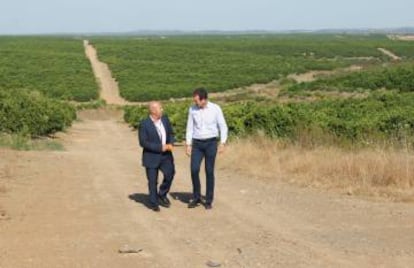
<point x="156" y="138"/>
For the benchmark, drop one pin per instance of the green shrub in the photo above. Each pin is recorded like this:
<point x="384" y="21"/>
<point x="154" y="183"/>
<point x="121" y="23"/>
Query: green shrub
<point x="352" y="121"/>
<point x="393" y="77"/>
<point x="30" y="113"/>
<point x="177" y="113"/>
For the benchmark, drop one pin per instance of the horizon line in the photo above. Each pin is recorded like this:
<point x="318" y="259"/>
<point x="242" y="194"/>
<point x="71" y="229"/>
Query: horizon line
<point x="384" y="30"/>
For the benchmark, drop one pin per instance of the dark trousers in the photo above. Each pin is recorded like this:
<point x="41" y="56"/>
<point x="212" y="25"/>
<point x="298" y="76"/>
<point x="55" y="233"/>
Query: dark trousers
<point x="167" y="168"/>
<point x="208" y="150"/>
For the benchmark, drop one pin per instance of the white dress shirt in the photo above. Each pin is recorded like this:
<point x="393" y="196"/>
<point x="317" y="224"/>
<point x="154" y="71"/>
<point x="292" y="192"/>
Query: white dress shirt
<point x="160" y="130"/>
<point x="206" y="123"/>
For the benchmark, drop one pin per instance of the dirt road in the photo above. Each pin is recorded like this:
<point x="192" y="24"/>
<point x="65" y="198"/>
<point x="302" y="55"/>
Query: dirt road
<point x="78" y="207"/>
<point x="389" y="54"/>
<point x="313" y="75"/>
<point x="109" y="90"/>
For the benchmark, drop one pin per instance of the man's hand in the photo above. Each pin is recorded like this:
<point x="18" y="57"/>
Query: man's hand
<point x="167" y="147"/>
<point x="188" y="150"/>
<point x="221" y="148"/>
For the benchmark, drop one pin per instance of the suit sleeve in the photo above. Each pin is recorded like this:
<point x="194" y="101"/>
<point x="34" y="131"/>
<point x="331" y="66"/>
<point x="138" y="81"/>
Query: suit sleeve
<point x="144" y="140"/>
<point x="170" y="131"/>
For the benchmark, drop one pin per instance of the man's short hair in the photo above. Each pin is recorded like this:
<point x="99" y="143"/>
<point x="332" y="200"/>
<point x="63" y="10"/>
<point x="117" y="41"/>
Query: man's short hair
<point x="201" y="93"/>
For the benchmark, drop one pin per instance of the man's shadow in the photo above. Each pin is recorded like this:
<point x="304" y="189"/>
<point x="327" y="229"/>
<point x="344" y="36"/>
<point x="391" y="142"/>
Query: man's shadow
<point x="184" y="197"/>
<point x="141" y="198"/>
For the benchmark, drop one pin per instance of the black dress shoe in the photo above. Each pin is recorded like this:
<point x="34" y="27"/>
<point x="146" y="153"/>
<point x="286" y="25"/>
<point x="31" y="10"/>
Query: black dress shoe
<point x="208" y="206"/>
<point x="155" y="208"/>
<point x="164" y="201"/>
<point x="194" y="203"/>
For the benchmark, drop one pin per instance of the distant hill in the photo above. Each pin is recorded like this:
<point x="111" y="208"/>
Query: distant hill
<point x="400" y="30"/>
<point x="392" y="31"/>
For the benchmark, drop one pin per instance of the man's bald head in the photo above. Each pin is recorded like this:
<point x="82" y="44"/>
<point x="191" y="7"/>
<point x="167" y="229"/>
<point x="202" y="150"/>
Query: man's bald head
<point x="155" y="109"/>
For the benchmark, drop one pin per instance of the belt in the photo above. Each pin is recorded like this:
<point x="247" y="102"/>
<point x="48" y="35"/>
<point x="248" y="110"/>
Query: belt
<point x="205" y="140"/>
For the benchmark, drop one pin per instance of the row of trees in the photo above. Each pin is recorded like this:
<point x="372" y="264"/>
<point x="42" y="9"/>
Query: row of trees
<point x="30" y="113"/>
<point x="55" y="66"/>
<point x="392" y="77"/>
<point x="379" y="117"/>
<point x="154" y="68"/>
<point x="37" y="76"/>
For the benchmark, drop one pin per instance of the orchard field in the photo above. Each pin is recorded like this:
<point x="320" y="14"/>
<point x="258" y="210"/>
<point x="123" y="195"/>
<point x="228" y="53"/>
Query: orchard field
<point x="38" y="75"/>
<point x="54" y="66"/>
<point x="378" y="108"/>
<point x="164" y="68"/>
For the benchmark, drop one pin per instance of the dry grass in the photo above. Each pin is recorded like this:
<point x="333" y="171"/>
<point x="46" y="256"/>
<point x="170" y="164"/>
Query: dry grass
<point x="402" y="37"/>
<point x="381" y="173"/>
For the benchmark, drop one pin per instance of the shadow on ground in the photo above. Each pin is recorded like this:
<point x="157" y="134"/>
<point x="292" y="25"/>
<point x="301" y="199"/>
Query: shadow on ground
<point x="184" y="197"/>
<point x="141" y="198"/>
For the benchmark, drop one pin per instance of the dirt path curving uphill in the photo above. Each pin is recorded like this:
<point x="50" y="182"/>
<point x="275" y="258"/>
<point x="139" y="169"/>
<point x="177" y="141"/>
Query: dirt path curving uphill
<point x="78" y="207"/>
<point x="389" y="54"/>
<point x="109" y="90"/>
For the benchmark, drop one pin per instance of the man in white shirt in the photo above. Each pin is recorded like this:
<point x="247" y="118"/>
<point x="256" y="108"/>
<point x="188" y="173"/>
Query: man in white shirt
<point x="204" y="125"/>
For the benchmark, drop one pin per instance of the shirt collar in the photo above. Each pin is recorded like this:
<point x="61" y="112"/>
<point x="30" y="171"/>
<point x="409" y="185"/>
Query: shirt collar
<point x="207" y="106"/>
<point x="155" y="120"/>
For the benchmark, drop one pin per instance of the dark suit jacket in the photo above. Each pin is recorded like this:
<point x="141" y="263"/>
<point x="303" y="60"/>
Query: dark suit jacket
<point x="151" y="143"/>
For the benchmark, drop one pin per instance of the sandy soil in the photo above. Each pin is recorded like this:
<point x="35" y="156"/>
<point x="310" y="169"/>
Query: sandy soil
<point x="78" y="207"/>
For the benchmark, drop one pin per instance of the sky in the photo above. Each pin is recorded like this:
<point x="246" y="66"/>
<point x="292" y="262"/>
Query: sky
<point x="97" y="16"/>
